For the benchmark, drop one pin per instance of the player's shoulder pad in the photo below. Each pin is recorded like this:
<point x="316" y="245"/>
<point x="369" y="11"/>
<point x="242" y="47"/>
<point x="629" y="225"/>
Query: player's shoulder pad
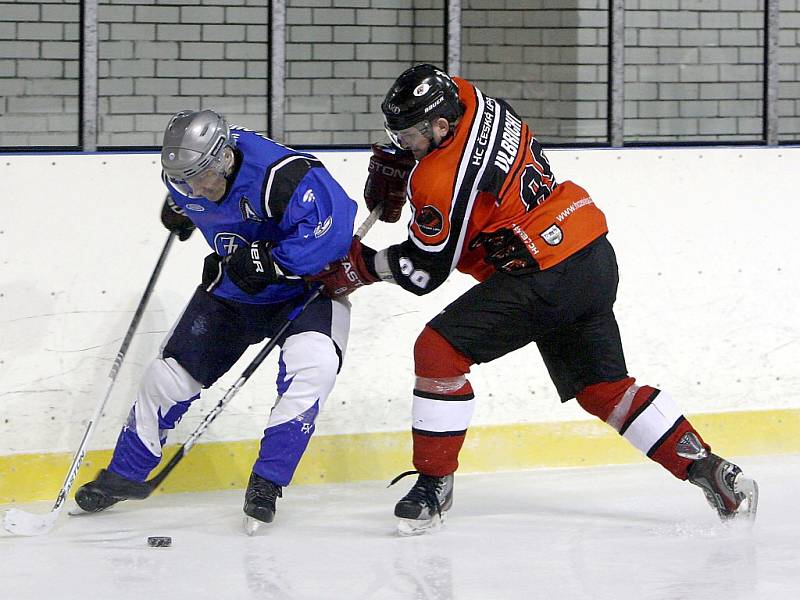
<point x="281" y="180"/>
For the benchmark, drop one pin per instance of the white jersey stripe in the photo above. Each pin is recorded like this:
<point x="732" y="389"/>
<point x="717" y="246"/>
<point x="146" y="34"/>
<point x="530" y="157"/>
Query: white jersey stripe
<point x="463" y="168"/>
<point x="474" y="191"/>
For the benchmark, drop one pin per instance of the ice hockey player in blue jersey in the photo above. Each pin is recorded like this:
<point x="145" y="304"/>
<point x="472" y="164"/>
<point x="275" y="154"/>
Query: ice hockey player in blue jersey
<point x="271" y="215"/>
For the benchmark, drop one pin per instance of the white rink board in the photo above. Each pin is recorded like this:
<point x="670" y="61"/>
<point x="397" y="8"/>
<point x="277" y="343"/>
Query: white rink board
<point x="704" y="238"/>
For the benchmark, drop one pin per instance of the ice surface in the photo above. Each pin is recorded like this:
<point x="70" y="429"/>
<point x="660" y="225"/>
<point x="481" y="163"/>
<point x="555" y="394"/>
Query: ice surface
<point x="628" y="532"/>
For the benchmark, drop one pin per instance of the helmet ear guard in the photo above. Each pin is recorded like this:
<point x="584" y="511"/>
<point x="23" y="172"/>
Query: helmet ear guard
<point x="194" y="142"/>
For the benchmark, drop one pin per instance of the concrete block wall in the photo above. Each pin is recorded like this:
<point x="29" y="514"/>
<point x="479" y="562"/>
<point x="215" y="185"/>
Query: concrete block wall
<point x="694" y="68"/>
<point x="789" y="71"/>
<point x="342" y="56"/>
<point x="39" y="69"/>
<point x="156" y="58"/>
<point x="548" y="59"/>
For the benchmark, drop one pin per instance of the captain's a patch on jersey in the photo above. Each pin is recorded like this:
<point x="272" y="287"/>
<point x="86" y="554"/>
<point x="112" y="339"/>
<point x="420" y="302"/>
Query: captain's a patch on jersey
<point x="248" y="214"/>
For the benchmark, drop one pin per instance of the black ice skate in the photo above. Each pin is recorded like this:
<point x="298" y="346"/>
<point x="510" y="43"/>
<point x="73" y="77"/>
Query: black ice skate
<point x="259" y="502"/>
<point x="727" y="490"/>
<point x="107" y="489"/>
<point x="422" y="509"/>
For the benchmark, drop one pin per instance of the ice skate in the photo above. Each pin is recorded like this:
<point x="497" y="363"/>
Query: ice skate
<point x="259" y="503"/>
<point x="422" y="509"/>
<point x="106" y="490"/>
<point x="728" y="491"/>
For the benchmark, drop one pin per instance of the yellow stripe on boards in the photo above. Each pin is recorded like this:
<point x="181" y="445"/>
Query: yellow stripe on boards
<point x="380" y="456"/>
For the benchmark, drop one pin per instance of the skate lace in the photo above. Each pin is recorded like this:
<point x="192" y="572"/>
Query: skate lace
<point x="425" y="490"/>
<point x="265" y="489"/>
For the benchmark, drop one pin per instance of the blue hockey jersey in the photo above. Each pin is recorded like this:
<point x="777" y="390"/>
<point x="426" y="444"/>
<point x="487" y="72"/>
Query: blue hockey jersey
<point x="279" y="195"/>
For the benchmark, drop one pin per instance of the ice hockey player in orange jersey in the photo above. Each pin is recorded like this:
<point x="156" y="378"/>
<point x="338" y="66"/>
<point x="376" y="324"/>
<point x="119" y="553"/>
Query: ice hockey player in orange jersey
<point x="485" y="201"/>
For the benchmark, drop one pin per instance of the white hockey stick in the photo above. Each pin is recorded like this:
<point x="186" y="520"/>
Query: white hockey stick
<point x="20" y="522"/>
<point x="369" y="221"/>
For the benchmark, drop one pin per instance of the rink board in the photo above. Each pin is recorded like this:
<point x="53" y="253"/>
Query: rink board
<point x="707" y="246"/>
<point x="370" y="456"/>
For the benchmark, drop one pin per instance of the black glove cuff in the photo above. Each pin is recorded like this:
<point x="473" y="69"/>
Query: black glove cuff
<point x="212" y="271"/>
<point x="369" y="260"/>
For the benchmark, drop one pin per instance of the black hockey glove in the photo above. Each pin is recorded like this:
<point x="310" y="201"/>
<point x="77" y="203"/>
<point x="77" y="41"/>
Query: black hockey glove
<point x="506" y="251"/>
<point x="252" y="268"/>
<point x="389" y="169"/>
<point x="174" y="218"/>
<point x="212" y="271"/>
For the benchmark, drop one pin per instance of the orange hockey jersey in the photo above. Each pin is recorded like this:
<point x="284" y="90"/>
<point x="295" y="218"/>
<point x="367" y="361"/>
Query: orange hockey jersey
<point x="490" y="174"/>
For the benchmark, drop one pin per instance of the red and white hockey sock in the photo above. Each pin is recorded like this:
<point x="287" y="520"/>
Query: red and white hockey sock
<point x="443" y="404"/>
<point x="645" y="416"/>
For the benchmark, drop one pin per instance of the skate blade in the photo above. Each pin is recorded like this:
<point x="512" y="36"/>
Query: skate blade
<point x="747" y="509"/>
<point x="251" y="525"/>
<point x="410" y="527"/>
<point x="77" y="511"/>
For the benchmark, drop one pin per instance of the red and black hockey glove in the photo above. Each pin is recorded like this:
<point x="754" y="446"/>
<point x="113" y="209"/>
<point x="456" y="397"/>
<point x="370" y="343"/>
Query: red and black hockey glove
<point x="344" y="276"/>
<point x="252" y="268"/>
<point x="174" y="219"/>
<point x="389" y="169"/>
<point x="506" y="251"/>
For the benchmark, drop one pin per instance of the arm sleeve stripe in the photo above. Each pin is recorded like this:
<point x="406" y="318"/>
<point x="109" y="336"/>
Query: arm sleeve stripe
<point x="281" y="181"/>
<point x="457" y="185"/>
<point x="465" y="189"/>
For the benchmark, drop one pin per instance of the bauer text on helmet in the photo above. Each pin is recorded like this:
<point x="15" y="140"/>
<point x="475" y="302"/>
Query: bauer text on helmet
<point x="420" y="95"/>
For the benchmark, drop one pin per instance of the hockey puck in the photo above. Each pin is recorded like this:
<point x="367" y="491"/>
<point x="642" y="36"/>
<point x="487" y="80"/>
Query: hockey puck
<point x="158" y="541"/>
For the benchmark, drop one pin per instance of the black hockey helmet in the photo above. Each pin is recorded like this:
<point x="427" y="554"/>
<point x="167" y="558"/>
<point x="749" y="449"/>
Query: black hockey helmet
<point x="421" y="93"/>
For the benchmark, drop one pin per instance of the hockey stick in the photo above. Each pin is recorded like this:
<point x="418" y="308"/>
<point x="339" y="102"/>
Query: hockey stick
<point x="159" y="478"/>
<point x="20" y="522"/>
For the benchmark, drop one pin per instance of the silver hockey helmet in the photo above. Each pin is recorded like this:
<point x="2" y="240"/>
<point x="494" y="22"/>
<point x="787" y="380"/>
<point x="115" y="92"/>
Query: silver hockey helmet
<point x="193" y="143"/>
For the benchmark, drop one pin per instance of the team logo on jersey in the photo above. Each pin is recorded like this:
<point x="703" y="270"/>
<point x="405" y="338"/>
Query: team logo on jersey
<point x="553" y="235"/>
<point x="421" y="89"/>
<point x="195" y="207"/>
<point x="227" y="243"/>
<point x="323" y="227"/>
<point x="248" y="214"/>
<point x="430" y="221"/>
